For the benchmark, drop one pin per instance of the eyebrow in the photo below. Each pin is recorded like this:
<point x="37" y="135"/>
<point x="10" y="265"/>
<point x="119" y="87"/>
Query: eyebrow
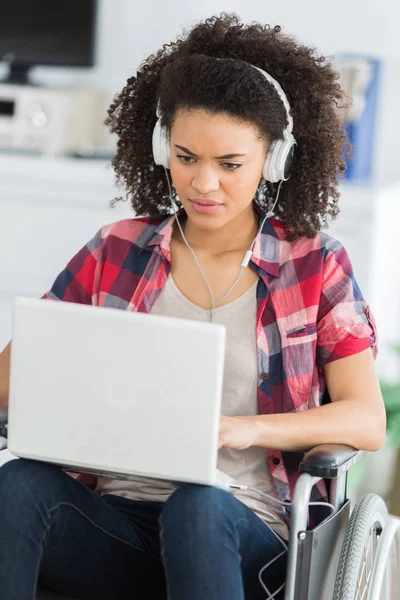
<point x="194" y="155"/>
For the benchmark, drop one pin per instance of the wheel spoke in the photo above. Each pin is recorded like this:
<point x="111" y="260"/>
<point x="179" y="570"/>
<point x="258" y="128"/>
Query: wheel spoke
<point x="367" y="575"/>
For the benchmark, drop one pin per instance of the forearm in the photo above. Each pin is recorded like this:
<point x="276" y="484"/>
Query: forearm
<point x="3" y="403"/>
<point x="5" y="358"/>
<point x="342" y="422"/>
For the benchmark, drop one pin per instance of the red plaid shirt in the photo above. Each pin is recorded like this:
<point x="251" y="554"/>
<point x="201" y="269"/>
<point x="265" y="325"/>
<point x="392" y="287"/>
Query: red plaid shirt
<point x="310" y="311"/>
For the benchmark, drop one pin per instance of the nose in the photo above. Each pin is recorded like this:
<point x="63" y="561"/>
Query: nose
<point x="205" y="179"/>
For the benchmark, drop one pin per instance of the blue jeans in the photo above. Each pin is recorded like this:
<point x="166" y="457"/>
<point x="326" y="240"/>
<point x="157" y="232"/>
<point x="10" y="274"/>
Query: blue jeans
<point x="202" y="543"/>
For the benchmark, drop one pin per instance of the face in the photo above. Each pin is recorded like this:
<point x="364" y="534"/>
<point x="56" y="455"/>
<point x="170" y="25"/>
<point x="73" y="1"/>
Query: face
<point x="216" y="166"/>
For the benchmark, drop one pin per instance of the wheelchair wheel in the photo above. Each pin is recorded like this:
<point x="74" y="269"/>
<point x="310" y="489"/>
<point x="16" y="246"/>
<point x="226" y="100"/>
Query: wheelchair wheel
<point x="353" y="578"/>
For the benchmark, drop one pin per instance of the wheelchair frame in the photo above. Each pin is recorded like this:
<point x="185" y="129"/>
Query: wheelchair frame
<point x="313" y="555"/>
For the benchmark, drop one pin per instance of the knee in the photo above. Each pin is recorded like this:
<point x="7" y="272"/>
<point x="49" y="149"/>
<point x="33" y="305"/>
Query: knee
<point x="199" y="504"/>
<point x="24" y="480"/>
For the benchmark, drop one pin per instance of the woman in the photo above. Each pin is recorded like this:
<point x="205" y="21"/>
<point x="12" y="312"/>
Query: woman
<point x="228" y="136"/>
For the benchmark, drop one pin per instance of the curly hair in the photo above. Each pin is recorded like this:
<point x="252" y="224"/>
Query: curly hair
<point x="186" y="74"/>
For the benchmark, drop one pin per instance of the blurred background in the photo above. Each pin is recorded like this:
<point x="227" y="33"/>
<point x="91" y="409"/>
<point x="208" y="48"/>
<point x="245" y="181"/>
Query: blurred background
<point x="61" y="63"/>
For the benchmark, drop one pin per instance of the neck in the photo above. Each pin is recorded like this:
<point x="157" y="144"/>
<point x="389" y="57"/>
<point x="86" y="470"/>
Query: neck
<point x="235" y="235"/>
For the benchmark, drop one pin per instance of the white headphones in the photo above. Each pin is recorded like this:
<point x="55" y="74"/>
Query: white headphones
<point x="280" y="154"/>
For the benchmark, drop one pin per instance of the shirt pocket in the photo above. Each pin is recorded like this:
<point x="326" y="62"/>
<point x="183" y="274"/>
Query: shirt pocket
<point x="302" y="332"/>
<point x="299" y="359"/>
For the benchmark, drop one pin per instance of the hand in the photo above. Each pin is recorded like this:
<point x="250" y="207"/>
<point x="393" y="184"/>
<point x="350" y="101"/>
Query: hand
<point x="238" y="433"/>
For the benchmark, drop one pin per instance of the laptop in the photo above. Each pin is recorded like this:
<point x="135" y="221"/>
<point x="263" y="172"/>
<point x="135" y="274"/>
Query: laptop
<point x="115" y="393"/>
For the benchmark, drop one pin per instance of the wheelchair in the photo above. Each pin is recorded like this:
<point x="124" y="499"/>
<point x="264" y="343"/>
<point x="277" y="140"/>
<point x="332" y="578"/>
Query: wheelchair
<point x="346" y="556"/>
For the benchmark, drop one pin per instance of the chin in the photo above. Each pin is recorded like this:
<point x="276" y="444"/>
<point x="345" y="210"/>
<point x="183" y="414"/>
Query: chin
<point x="208" y="222"/>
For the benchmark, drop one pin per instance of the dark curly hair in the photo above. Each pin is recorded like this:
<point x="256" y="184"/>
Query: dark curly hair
<point x="185" y="74"/>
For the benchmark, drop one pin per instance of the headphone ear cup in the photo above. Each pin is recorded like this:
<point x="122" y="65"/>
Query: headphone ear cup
<point x="279" y="160"/>
<point x="161" y="152"/>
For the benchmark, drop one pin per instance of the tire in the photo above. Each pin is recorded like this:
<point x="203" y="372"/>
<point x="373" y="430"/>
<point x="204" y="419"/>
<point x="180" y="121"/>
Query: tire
<point x="369" y="513"/>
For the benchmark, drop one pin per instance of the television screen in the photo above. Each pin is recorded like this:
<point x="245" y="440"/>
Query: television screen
<point x="48" y="32"/>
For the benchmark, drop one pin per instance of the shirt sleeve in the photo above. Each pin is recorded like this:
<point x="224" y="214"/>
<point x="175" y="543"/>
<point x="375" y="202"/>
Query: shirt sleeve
<point x="78" y="283"/>
<point x="345" y="324"/>
<point x="79" y="280"/>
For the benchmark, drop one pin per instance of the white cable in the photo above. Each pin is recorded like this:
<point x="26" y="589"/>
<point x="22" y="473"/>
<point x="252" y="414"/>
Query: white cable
<point x="246" y="258"/>
<point x="238" y="486"/>
<point x="244" y="264"/>
<point x="184" y="237"/>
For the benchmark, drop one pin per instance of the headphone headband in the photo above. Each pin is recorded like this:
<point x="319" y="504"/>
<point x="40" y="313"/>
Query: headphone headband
<point x="282" y="96"/>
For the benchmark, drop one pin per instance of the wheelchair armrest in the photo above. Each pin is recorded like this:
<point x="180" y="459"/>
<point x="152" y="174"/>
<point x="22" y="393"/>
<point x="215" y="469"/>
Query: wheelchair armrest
<point x="329" y="461"/>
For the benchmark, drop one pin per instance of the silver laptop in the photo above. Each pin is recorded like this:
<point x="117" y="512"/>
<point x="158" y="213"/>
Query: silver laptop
<point x="116" y="393"/>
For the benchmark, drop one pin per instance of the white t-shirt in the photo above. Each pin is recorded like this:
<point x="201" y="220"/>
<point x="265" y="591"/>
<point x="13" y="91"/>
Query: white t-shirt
<point x="249" y="467"/>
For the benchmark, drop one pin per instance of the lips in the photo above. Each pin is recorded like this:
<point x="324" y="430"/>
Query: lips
<point x="204" y="202"/>
<point x="205" y="206"/>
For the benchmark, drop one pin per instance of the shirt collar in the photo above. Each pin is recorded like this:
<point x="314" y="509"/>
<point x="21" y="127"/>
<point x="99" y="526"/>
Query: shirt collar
<point x="266" y="251"/>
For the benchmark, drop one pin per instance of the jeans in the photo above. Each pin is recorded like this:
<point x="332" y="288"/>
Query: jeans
<point x="202" y="543"/>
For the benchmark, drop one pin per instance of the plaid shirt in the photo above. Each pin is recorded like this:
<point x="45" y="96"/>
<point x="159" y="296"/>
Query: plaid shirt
<point x="310" y="312"/>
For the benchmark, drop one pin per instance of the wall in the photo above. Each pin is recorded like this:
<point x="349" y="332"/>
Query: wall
<point x="385" y="267"/>
<point x="48" y="210"/>
<point x="129" y="30"/>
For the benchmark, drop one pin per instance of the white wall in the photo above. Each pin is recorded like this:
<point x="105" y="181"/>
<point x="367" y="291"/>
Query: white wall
<point x="129" y="30"/>
<point x="385" y="267"/>
<point x="48" y="210"/>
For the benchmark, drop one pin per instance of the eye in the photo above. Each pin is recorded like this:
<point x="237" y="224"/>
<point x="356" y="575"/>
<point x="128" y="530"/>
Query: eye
<point x="185" y="159"/>
<point x="232" y="166"/>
